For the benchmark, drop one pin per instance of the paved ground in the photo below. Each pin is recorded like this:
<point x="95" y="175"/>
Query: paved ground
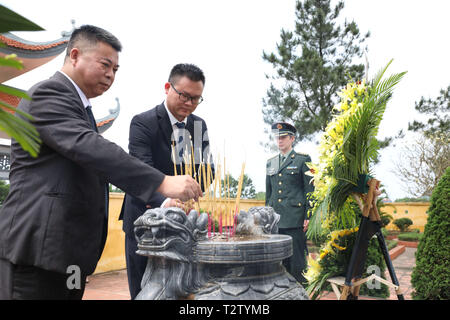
<point x="403" y="266"/>
<point x="114" y="286"/>
<point x="107" y="286"/>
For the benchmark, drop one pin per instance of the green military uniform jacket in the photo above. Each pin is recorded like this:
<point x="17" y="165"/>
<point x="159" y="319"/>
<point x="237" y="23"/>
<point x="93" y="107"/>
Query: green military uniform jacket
<point x="287" y="187"/>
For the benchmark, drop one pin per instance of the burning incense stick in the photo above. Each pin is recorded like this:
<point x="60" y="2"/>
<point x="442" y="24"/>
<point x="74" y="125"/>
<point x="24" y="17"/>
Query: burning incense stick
<point x="241" y="180"/>
<point x="174" y="159"/>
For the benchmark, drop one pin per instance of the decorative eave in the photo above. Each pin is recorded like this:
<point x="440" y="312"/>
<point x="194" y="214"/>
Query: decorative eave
<point x="32" y="54"/>
<point x="106" y="122"/>
<point x="102" y="123"/>
<point x="26" y="48"/>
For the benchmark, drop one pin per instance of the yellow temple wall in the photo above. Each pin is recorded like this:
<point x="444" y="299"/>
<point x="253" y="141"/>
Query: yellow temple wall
<point x="113" y="256"/>
<point x="416" y="211"/>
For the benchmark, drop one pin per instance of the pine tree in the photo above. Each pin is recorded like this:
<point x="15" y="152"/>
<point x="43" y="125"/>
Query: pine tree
<point x="313" y="62"/>
<point x="439" y="111"/>
<point x="431" y="275"/>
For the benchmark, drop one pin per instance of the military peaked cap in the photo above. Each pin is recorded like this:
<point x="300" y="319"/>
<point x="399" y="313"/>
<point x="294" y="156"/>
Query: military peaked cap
<point x="280" y="129"/>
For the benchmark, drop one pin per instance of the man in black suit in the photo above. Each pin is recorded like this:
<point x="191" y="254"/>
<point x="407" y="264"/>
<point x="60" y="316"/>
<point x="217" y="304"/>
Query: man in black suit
<point x="53" y="223"/>
<point x="160" y="137"/>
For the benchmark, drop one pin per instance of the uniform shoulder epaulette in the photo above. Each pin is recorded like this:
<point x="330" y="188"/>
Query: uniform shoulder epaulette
<point x="270" y="159"/>
<point x="302" y="154"/>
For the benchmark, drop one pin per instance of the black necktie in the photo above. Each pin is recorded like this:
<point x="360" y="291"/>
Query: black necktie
<point x="94" y="126"/>
<point x="181" y="125"/>
<point x="91" y="118"/>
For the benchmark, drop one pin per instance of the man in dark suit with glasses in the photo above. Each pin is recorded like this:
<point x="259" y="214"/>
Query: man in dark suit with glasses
<point x="165" y="137"/>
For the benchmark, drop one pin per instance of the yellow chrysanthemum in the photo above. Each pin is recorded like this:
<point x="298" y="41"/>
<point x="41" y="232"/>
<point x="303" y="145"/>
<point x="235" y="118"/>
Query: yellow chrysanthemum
<point x="361" y="88"/>
<point x="338" y="246"/>
<point x="313" y="270"/>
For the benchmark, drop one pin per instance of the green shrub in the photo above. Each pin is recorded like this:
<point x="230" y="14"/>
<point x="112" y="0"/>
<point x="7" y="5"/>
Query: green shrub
<point x="385" y="220"/>
<point x="410" y="236"/>
<point x="403" y="223"/>
<point x="391" y="244"/>
<point x="336" y="264"/>
<point x="393" y="232"/>
<point x="431" y="275"/>
<point x="421" y="199"/>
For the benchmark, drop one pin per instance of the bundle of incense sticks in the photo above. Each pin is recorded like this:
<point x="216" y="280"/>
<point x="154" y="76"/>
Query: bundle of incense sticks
<point x="216" y="196"/>
<point x="219" y="205"/>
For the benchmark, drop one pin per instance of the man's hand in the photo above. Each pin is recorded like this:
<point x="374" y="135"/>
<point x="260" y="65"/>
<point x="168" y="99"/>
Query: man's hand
<point x="305" y="225"/>
<point x="180" y="187"/>
<point x="174" y="203"/>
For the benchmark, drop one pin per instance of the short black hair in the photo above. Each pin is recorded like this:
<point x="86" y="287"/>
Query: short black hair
<point x="191" y="71"/>
<point x="92" y="34"/>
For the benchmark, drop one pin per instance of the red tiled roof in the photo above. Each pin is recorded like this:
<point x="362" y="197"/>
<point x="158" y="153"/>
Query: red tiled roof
<point x="14" y="101"/>
<point x="16" y="44"/>
<point x="102" y="123"/>
<point x="9" y="99"/>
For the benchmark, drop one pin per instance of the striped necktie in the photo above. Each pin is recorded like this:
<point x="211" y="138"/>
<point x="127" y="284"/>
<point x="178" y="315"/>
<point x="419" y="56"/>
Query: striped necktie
<point x="180" y="125"/>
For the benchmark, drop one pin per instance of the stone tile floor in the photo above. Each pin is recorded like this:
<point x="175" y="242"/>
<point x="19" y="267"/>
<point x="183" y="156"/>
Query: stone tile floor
<point x="114" y="285"/>
<point x="107" y="286"/>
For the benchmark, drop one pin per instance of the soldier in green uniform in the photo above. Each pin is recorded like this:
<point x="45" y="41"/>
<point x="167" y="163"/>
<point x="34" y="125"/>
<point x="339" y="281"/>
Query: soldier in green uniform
<point x="287" y="187"/>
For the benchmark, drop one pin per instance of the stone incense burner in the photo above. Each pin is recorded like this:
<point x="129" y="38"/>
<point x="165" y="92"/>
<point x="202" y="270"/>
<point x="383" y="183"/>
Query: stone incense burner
<point x="185" y="261"/>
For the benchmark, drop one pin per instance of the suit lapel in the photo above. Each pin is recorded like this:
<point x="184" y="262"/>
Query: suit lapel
<point x="63" y="79"/>
<point x="164" y="124"/>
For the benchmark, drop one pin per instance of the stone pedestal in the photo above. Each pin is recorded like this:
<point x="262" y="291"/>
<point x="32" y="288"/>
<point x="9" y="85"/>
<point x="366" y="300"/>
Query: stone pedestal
<point x="248" y="270"/>
<point x="186" y="263"/>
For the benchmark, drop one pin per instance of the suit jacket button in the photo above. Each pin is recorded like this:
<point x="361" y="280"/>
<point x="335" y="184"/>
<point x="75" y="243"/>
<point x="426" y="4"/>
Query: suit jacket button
<point x="299" y="204"/>
<point x="279" y="200"/>
<point x="280" y="174"/>
<point x="280" y="183"/>
<point x="279" y="191"/>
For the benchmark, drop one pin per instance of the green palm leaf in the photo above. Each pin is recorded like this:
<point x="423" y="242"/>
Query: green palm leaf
<point x="12" y="21"/>
<point x="19" y="129"/>
<point x="356" y="154"/>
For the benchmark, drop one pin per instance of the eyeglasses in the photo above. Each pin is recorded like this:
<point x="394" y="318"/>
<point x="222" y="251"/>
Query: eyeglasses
<point x="185" y="98"/>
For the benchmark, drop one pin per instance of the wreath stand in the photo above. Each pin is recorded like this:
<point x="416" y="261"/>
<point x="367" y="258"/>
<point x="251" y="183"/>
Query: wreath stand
<point x="370" y="225"/>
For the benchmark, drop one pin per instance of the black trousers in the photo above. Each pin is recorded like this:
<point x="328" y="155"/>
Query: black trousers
<point x="19" y="282"/>
<point x="296" y="264"/>
<point x="136" y="265"/>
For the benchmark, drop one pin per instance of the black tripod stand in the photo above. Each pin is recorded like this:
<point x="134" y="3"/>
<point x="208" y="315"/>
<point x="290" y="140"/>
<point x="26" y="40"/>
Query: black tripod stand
<point x="370" y="225"/>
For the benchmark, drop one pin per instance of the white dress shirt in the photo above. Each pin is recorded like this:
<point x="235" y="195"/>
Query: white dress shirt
<point x="83" y="97"/>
